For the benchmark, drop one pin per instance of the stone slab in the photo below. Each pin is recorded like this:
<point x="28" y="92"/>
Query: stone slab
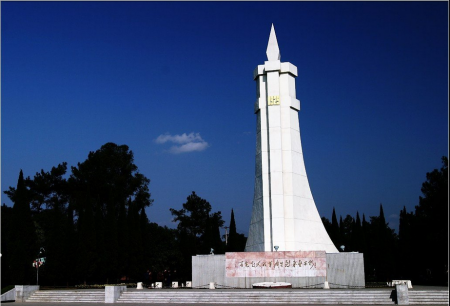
<point x="276" y="264"/>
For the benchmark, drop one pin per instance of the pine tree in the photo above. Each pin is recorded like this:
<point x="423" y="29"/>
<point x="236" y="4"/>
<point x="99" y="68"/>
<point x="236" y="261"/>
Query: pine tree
<point x="232" y="245"/>
<point x="6" y="243"/>
<point x="334" y="234"/>
<point x="431" y="233"/>
<point x="381" y="217"/>
<point x="24" y="249"/>
<point x="357" y="235"/>
<point x="341" y="233"/>
<point x="406" y="242"/>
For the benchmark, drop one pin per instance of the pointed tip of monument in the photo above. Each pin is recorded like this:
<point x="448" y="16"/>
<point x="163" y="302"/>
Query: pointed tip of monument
<point x="273" y="52"/>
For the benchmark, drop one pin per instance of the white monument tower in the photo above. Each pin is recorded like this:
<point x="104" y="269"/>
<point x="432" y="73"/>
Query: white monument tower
<point x="284" y="213"/>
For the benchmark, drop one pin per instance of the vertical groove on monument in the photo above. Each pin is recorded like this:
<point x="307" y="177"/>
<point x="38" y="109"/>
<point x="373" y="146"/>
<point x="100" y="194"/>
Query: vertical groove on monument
<point x="284" y="212"/>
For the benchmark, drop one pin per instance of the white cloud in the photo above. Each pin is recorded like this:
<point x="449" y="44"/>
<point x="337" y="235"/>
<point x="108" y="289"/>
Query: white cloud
<point x="192" y="142"/>
<point x="180" y="139"/>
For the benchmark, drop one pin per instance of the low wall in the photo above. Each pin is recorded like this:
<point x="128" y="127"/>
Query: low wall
<point x="346" y="269"/>
<point x="343" y="270"/>
<point x="9" y="295"/>
<point x="23" y="292"/>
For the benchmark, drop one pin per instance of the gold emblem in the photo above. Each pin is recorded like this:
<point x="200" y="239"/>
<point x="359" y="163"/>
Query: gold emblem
<point x="274" y="100"/>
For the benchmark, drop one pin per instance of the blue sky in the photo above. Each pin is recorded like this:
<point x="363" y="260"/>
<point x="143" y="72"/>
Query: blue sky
<point x="173" y="81"/>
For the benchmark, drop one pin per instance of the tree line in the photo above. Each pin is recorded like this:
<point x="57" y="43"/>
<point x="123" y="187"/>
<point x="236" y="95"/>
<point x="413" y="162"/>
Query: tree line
<point x="91" y="226"/>
<point x="419" y="252"/>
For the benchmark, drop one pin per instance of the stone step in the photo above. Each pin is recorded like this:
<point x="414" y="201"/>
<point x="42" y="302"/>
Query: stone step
<point x="259" y="297"/>
<point x="254" y="292"/>
<point x="430" y="293"/>
<point x="388" y="300"/>
<point x="68" y="296"/>
<point x="314" y="302"/>
<point x="429" y="302"/>
<point x="319" y="302"/>
<point x="66" y="301"/>
<point x="428" y="297"/>
<point x="255" y="299"/>
<point x="218" y="296"/>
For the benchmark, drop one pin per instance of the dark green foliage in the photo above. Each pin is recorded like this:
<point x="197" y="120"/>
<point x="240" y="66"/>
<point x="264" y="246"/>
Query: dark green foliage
<point x="197" y="231"/>
<point x="381" y="250"/>
<point x="195" y="220"/>
<point x="423" y="235"/>
<point x="236" y="241"/>
<point x="420" y="250"/>
<point x="49" y="199"/>
<point x="6" y="231"/>
<point x="356" y="239"/>
<point x="22" y="242"/>
<point x="335" y="233"/>
<point x="407" y="233"/>
<point x="95" y="229"/>
<point x="7" y="288"/>
<point x="93" y="226"/>
<point x="104" y="185"/>
<point x="346" y="232"/>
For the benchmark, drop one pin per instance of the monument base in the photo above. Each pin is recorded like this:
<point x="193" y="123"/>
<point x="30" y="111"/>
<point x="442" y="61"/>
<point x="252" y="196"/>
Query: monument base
<point x="343" y="270"/>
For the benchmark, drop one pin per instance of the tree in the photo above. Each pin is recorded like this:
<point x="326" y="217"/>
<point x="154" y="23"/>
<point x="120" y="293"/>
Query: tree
<point x="23" y="248"/>
<point x="335" y="234"/>
<point x="232" y="236"/>
<point x="196" y="220"/>
<point x="236" y="241"/>
<point x="6" y="242"/>
<point x="101" y="185"/>
<point x="49" y="199"/>
<point x="431" y="217"/>
<point x="357" y="235"/>
<point x="346" y="230"/>
<point x="406" y="244"/>
<point x="197" y="229"/>
<point x="194" y="215"/>
<point x="93" y="226"/>
<point x="381" y="249"/>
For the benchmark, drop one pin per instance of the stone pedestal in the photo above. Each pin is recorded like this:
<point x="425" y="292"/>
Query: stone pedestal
<point x="341" y="270"/>
<point x="402" y="294"/>
<point x="112" y="293"/>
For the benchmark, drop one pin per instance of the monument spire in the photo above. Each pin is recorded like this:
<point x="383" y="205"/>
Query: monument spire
<point x="273" y="52"/>
<point x="284" y="215"/>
